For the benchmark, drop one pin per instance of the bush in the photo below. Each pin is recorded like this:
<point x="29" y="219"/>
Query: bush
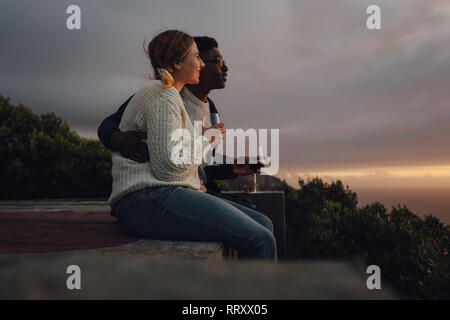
<point x="324" y="221"/>
<point x="43" y="158"/>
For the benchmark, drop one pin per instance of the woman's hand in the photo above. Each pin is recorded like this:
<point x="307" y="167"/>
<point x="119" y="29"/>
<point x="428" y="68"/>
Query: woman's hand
<point x="213" y="133"/>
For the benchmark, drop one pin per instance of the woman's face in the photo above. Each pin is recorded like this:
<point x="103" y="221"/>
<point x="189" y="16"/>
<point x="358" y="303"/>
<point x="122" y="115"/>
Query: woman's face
<point x="189" y="69"/>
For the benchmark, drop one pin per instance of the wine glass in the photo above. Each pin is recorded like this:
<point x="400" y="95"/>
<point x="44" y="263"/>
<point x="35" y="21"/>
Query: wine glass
<point x="261" y="160"/>
<point x="215" y="119"/>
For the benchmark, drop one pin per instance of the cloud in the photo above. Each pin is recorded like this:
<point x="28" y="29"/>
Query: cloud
<point x="341" y="95"/>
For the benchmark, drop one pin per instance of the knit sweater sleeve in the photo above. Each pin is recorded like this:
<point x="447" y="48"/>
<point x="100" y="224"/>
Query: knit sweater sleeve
<point x="163" y="119"/>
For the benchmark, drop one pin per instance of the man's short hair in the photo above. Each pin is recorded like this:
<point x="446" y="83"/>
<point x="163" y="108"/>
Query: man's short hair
<point x="205" y="43"/>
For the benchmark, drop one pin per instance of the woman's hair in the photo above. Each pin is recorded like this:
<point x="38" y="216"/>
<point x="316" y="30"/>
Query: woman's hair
<point x="166" y="49"/>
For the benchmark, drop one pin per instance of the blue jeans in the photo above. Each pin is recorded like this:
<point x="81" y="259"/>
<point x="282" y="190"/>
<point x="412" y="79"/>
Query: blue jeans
<point x="178" y="213"/>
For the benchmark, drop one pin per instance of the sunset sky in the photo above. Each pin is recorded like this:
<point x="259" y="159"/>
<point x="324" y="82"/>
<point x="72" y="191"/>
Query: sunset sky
<point x="369" y="107"/>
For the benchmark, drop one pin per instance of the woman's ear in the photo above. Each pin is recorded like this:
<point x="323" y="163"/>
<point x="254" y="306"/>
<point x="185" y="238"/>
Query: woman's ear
<point x="176" y="66"/>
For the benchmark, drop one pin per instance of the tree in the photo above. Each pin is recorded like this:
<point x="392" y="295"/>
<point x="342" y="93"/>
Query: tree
<point x="43" y="158"/>
<point x="324" y="221"/>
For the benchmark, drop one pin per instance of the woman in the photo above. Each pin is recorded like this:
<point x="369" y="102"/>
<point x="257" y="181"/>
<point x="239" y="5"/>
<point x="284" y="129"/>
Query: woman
<point x="162" y="198"/>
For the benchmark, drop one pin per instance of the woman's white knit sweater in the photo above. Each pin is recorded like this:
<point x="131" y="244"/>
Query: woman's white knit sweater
<point x="159" y="113"/>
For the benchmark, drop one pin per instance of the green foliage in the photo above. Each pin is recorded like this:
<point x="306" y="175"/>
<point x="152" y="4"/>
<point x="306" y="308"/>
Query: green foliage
<point x="42" y="158"/>
<point x="222" y="185"/>
<point x="324" y="221"/>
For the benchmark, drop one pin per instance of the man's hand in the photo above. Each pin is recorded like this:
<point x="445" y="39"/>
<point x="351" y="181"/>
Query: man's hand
<point x="244" y="169"/>
<point x="130" y="145"/>
<point x="247" y="168"/>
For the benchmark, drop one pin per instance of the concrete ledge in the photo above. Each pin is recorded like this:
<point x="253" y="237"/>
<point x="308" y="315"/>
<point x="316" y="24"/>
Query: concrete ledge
<point x="148" y="269"/>
<point x="37" y="276"/>
<point x="51" y="205"/>
<point x="84" y="227"/>
<point x="164" y="248"/>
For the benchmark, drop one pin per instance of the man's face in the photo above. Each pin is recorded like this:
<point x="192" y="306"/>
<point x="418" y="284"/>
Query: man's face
<point x="214" y="74"/>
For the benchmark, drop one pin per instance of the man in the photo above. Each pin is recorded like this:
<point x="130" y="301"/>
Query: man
<point x="198" y="105"/>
